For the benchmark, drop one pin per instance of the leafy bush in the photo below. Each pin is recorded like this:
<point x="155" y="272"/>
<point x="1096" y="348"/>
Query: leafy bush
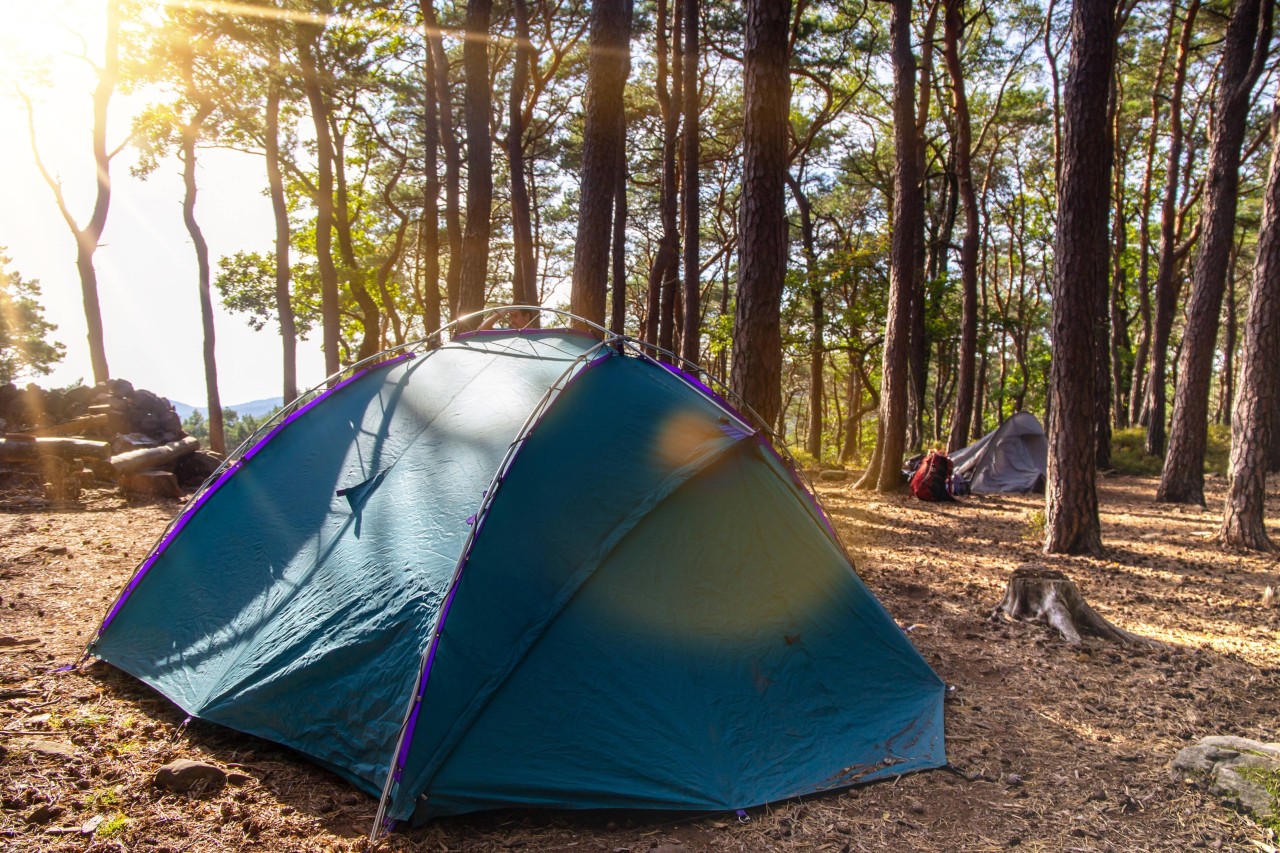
<point x="1129" y="454"/>
<point x="803" y="458"/>
<point x="1035" y="524"/>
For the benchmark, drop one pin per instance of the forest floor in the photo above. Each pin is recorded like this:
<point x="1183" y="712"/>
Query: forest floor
<point x="1053" y="747"/>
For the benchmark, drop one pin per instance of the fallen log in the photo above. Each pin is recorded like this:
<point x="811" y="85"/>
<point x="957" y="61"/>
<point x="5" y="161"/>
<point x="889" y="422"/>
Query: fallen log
<point x="153" y="457"/>
<point x="79" y="426"/>
<point x="25" y="448"/>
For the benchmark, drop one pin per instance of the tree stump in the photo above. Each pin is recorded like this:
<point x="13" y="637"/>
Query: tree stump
<point x="1047" y="596"/>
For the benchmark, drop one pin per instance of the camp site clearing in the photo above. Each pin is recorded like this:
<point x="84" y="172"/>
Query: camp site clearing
<point x="1053" y="748"/>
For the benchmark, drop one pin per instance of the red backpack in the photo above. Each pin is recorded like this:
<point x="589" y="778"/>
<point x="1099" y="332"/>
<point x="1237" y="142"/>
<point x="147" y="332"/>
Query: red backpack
<point x="929" y="482"/>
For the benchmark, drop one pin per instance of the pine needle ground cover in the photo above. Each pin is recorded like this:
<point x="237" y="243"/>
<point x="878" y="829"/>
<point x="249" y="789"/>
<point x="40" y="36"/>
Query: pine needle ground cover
<point x="1054" y="748"/>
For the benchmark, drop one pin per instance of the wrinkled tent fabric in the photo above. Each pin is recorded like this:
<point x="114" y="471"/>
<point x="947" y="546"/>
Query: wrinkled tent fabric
<point x="651" y="613"/>
<point x="1011" y="458"/>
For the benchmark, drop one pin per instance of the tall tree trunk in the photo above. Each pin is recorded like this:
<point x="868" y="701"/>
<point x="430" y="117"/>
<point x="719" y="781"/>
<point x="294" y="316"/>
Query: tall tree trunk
<point x="1080" y="252"/>
<point x="602" y="139"/>
<point x="189" y="137"/>
<point x="429" y="230"/>
<point x="918" y="354"/>
<point x="1227" y="376"/>
<point x="280" y="212"/>
<point x="452" y="159"/>
<point x="662" y="274"/>
<point x="817" y="349"/>
<point x="1103" y="318"/>
<point x="352" y="270"/>
<point x="307" y="37"/>
<point x="618" y="297"/>
<point x="953" y="31"/>
<point x="669" y="104"/>
<point x="1252" y="425"/>
<point x="853" y="422"/>
<point x="88" y="237"/>
<point x="756" y="373"/>
<point x="475" y="238"/>
<point x="618" y="300"/>
<point x="524" y="290"/>
<point x="1137" y="382"/>
<point x="908" y="211"/>
<point x="691" y="339"/>
<point x="1167" y="280"/>
<point x="1119" y="342"/>
<point x="1273" y="452"/>
<point x="1244" y="54"/>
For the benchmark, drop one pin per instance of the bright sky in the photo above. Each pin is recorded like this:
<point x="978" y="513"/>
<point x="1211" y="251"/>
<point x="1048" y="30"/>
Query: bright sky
<point x="146" y="264"/>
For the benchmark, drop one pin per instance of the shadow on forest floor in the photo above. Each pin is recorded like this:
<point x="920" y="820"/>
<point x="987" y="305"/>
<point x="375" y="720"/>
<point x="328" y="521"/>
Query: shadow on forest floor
<point x="1056" y="748"/>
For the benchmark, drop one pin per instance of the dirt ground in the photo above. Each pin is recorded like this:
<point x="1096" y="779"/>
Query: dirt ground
<point x="1052" y="748"/>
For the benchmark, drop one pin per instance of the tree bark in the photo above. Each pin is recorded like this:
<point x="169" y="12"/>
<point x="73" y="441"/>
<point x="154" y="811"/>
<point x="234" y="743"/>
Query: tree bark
<point x="1252" y="424"/>
<point x="1103" y="318"/>
<point x="667" y="264"/>
<point x="690" y="339"/>
<point x="602" y="141"/>
<point x="429" y="229"/>
<point x="1142" y="351"/>
<point x="1248" y="37"/>
<point x="664" y="258"/>
<point x="190" y="134"/>
<point x="151" y="457"/>
<point x="452" y="159"/>
<point x="1080" y="253"/>
<point x="918" y="355"/>
<point x="1166" y="287"/>
<point x="908" y="212"/>
<point x="280" y="213"/>
<point x="618" y="299"/>
<point x="524" y="290"/>
<point x="953" y="31"/>
<point x="756" y="372"/>
<point x="478" y="95"/>
<point x="307" y="36"/>
<point x="1047" y="596"/>
<point x="618" y="295"/>
<point x="1227" y="376"/>
<point x="817" y="349"/>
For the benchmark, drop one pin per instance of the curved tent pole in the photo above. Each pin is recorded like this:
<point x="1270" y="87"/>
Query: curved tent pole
<point x="691" y="374"/>
<point x="278" y="419"/>
<point x="688" y="372"/>
<point x="380" y="822"/>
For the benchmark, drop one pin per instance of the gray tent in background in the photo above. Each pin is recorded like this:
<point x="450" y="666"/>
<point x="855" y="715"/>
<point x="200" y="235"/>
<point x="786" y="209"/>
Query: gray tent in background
<point x="1010" y="458"/>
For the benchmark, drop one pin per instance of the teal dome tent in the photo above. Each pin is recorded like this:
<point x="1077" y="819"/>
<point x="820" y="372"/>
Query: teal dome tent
<point x="528" y="568"/>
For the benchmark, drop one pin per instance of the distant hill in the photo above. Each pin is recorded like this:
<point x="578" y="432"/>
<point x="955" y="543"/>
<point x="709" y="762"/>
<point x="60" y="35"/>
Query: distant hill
<point x="253" y="408"/>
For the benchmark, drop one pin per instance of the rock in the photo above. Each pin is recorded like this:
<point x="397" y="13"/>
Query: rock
<point x="1234" y="769"/>
<point x="833" y="476"/>
<point x="669" y="848"/>
<point x="184" y="774"/>
<point x="51" y="748"/>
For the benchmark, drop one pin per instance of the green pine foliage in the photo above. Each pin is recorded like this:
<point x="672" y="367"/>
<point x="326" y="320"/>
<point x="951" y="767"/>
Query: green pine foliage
<point x="26" y="349"/>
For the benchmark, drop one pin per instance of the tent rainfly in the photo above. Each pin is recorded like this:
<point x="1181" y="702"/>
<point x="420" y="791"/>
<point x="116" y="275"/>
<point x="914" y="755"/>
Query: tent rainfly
<point x="1013" y="457"/>
<point x="528" y="568"/>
